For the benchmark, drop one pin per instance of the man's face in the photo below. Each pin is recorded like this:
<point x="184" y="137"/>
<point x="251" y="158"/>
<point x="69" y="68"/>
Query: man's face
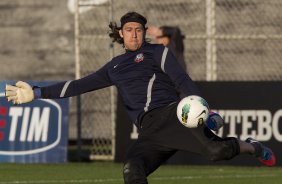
<point x="133" y="35"/>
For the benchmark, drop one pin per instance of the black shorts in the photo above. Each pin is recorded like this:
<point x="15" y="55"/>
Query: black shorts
<point x="161" y="126"/>
<point x="161" y="135"/>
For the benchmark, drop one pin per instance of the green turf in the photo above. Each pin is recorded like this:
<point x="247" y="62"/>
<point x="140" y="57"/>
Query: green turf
<point x="111" y="173"/>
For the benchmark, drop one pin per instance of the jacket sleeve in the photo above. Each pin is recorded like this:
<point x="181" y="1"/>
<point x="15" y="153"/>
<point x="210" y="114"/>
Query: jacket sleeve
<point x="175" y="72"/>
<point x="94" y="81"/>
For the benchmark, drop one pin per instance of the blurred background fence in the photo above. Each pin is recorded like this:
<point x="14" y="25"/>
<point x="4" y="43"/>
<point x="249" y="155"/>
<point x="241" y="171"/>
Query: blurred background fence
<point x="226" y="40"/>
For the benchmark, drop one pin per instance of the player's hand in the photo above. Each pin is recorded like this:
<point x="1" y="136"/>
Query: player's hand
<point x="214" y="121"/>
<point x="20" y="93"/>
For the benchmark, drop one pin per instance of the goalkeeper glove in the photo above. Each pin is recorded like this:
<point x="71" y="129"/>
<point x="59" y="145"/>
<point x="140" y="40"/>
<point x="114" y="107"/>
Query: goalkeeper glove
<point x="20" y="93"/>
<point x="214" y="121"/>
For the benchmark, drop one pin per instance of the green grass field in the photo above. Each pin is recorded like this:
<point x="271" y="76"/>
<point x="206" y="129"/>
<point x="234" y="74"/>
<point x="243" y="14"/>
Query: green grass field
<point x="111" y="173"/>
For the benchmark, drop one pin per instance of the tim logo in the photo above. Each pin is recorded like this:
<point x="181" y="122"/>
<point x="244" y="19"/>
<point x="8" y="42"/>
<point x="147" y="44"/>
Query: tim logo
<point x="29" y="128"/>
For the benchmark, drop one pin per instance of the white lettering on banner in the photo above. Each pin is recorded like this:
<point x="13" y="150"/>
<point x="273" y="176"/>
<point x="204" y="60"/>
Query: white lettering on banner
<point x="275" y="125"/>
<point x="259" y="124"/>
<point x="232" y="117"/>
<point x="25" y="124"/>
<point x="264" y="125"/>
<point x="248" y="117"/>
<point x="38" y="126"/>
<point x="15" y="113"/>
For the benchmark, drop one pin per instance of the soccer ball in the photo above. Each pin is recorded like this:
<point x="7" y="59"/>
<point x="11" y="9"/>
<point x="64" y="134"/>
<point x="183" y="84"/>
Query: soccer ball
<point x="192" y="111"/>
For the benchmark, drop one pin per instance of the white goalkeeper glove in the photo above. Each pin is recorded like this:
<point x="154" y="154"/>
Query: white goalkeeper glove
<point x="20" y="93"/>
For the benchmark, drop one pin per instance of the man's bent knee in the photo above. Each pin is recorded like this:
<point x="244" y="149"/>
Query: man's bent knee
<point x="224" y="149"/>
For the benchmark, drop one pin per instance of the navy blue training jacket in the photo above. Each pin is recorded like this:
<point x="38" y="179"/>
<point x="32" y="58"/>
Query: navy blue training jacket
<point x="147" y="78"/>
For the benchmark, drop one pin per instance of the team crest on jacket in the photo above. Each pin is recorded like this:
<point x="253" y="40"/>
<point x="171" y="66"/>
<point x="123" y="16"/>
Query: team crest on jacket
<point x="139" y="58"/>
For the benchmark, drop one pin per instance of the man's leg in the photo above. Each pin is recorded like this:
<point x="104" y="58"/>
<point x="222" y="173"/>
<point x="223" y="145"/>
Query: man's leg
<point x="142" y="159"/>
<point x="216" y="148"/>
<point x="263" y="153"/>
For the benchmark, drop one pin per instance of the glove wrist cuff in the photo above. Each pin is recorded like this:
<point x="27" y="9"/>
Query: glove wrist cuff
<point x="36" y="92"/>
